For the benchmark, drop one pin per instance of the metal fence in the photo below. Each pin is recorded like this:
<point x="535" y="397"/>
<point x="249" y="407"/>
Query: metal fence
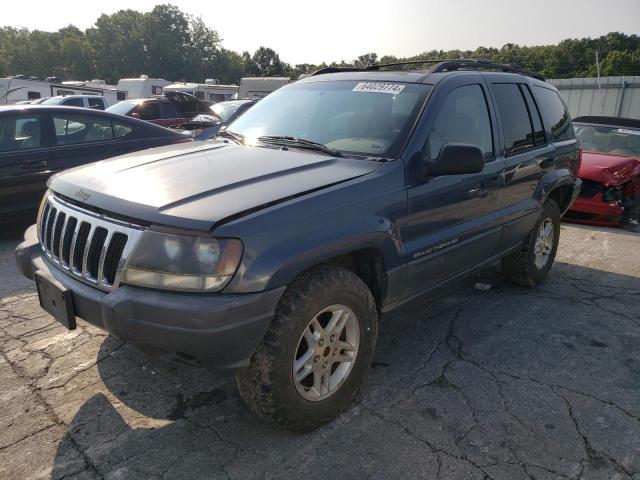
<point x="612" y="96"/>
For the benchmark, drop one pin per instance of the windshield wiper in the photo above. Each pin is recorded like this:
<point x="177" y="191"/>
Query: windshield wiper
<point x="236" y="137"/>
<point x="287" y="141"/>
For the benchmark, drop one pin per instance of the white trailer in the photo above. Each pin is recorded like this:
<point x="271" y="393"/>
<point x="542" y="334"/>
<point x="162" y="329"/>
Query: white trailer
<point x="143" y="86"/>
<point x="260" y="87"/>
<point x="211" y="90"/>
<point x="21" y="89"/>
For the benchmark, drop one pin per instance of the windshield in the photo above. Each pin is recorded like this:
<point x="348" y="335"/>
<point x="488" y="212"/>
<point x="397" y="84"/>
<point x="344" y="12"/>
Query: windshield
<point x="606" y="139"/>
<point x="121" y="108"/>
<point x="225" y="109"/>
<point x="367" y="118"/>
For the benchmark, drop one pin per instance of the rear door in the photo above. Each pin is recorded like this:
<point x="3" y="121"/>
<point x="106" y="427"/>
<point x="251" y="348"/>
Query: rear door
<point x="453" y="221"/>
<point x="24" y="153"/>
<point x="84" y="138"/>
<point x="527" y="156"/>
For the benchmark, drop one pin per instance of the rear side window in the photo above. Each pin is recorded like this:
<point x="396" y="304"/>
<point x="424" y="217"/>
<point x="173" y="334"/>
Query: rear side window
<point x="148" y="110"/>
<point x="518" y="133"/>
<point x="534" y="114"/>
<point x="121" y="129"/>
<point x="555" y="114"/>
<point x="21" y="133"/>
<point x="73" y="102"/>
<point x="76" y="129"/>
<point x="464" y="118"/>
<point x="167" y="110"/>
<point x="96" y="103"/>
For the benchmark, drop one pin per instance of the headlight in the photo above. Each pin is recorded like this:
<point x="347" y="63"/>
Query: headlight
<point x="176" y="262"/>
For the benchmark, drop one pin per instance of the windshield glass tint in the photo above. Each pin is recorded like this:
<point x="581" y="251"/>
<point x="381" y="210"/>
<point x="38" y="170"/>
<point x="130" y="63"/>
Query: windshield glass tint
<point x="368" y="118"/>
<point x="121" y="108"/>
<point x="613" y="140"/>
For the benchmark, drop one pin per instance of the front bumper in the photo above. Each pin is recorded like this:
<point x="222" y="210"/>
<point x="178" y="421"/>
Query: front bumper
<point x="215" y="330"/>
<point x="595" y="211"/>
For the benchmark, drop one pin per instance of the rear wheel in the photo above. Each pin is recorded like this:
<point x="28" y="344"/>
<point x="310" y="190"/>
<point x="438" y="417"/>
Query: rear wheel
<point x="530" y="264"/>
<point x="315" y="356"/>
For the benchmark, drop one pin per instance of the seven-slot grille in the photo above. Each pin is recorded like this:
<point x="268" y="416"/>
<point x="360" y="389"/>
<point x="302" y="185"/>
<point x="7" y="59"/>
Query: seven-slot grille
<point x="86" y="246"/>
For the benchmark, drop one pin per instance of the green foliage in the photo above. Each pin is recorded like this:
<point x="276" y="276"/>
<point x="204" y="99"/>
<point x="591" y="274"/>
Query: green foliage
<point x="171" y="44"/>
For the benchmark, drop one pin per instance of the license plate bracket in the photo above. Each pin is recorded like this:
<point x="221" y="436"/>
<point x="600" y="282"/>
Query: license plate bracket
<point x="56" y="299"/>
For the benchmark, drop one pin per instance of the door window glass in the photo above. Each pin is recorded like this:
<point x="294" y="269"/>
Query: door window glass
<point x="73" y="102"/>
<point x="75" y="129"/>
<point x="534" y="113"/>
<point x="21" y="133"/>
<point x="464" y="118"/>
<point x="554" y="114"/>
<point x="148" y="110"/>
<point x="121" y="129"/>
<point x="518" y="133"/>
<point x="96" y="103"/>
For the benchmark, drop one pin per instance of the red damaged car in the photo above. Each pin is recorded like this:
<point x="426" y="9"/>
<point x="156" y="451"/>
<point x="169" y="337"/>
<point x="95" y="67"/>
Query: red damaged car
<point x="610" y="172"/>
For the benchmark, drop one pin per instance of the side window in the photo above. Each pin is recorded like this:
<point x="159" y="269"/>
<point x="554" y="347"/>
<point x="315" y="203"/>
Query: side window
<point x="534" y="114"/>
<point x="148" y="110"/>
<point x="97" y="103"/>
<point x="73" y="102"/>
<point x="76" y="129"/>
<point x="518" y="133"/>
<point x="121" y="129"/>
<point x="21" y="133"/>
<point x="555" y="114"/>
<point x="464" y="118"/>
<point x="121" y="96"/>
<point x="33" y="95"/>
<point x="167" y="110"/>
<point x="156" y="90"/>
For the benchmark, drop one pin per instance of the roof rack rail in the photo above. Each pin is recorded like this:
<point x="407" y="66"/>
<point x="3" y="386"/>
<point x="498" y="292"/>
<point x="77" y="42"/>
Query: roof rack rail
<point x="440" y="66"/>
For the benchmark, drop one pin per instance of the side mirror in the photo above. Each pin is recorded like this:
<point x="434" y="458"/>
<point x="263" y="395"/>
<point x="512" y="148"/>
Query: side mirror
<point x="455" y="159"/>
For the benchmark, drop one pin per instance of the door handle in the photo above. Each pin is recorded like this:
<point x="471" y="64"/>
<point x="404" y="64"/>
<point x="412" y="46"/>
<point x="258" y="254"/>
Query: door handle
<point x="28" y="164"/>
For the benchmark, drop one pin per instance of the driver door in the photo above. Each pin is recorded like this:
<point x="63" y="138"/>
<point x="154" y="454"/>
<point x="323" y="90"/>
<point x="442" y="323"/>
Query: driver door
<point x="453" y="221"/>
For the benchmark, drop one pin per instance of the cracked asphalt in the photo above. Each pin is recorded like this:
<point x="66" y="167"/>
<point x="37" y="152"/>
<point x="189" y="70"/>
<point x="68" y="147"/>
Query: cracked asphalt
<point x="508" y="383"/>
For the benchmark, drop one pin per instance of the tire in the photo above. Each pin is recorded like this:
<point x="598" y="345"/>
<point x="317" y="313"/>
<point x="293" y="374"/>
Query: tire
<point x="521" y="267"/>
<point x="268" y="386"/>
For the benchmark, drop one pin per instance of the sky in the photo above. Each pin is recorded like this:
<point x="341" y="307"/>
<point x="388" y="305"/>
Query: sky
<point x="332" y="30"/>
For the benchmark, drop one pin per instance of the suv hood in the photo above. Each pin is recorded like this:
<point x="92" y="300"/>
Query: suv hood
<point x="197" y="185"/>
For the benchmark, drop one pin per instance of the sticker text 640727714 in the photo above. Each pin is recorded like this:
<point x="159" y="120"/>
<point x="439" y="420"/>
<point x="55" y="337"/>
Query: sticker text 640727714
<point x="378" y="87"/>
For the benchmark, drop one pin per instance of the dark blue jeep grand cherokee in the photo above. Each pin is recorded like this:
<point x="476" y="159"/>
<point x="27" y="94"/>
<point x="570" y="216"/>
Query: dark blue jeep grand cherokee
<point x="274" y="249"/>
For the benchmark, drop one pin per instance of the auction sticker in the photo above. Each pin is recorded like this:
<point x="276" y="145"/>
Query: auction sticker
<point x="379" y="87"/>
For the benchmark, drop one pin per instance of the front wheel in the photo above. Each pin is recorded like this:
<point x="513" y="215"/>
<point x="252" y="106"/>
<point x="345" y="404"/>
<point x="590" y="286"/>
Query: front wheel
<point x="530" y="264"/>
<point x="315" y="356"/>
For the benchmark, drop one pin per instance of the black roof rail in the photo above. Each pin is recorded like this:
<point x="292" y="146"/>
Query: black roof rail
<point x="440" y="66"/>
<point x="463" y="64"/>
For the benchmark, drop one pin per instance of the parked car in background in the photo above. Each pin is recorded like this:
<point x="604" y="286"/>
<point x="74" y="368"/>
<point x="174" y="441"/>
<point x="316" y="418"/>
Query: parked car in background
<point x="610" y="171"/>
<point x="230" y="110"/>
<point x="171" y="110"/>
<point x="38" y="141"/>
<point x="96" y="102"/>
<point x="206" y="126"/>
<point x="333" y="200"/>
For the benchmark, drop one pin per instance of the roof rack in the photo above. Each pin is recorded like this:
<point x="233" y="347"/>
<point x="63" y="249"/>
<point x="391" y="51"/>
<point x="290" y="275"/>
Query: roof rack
<point x="440" y="66"/>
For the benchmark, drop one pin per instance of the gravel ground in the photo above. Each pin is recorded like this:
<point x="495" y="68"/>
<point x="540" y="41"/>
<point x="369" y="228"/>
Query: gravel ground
<point x="507" y="383"/>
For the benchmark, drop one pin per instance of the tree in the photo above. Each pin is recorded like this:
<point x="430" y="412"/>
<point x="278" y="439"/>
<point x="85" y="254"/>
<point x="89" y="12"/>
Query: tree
<point x="365" y="60"/>
<point x="268" y="63"/>
<point x="118" y="42"/>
